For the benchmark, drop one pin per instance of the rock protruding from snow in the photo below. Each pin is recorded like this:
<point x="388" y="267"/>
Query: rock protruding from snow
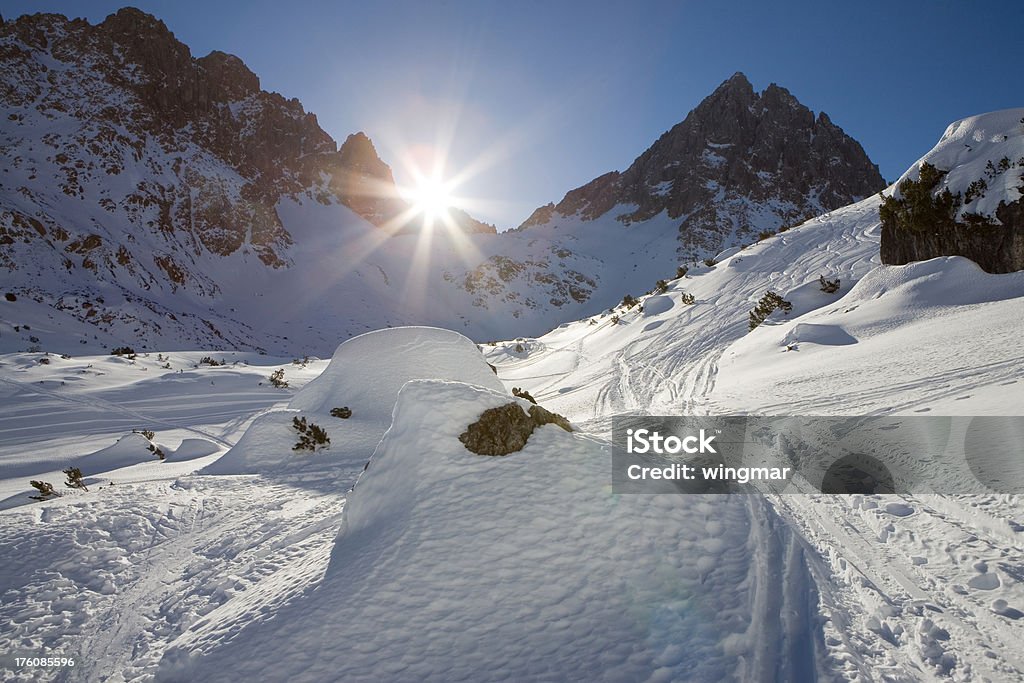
<point x="504" y="430"/>
<point x="499" y="431"/>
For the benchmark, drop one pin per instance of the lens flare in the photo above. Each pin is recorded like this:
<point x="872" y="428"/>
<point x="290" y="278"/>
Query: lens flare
<point x="432" y="198"/>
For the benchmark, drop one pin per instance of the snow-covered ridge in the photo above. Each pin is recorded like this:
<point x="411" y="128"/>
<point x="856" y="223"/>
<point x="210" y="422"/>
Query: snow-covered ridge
<point x="988" y="148"/>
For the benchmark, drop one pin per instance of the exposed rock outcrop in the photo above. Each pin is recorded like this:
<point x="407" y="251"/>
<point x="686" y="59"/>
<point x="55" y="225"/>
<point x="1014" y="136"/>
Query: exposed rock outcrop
<point x="504" y="430"/>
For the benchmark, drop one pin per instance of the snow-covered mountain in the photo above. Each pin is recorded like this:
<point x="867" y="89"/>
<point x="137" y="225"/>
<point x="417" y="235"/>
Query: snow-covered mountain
<point x="160" y="200"/>
<point x="739" y="164"/>
<point x="394" y="553"/>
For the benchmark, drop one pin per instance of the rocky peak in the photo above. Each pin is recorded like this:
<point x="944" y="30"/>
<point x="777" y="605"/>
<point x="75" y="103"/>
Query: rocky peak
<point x="228" y="76"/>
<point x="358" y="154"/>
<point x="739" y="163"/>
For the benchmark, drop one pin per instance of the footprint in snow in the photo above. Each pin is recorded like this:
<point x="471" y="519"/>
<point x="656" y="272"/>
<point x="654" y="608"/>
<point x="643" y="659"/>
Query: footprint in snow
<point x="984" y="582"/>
<point x="1001" y="608"/>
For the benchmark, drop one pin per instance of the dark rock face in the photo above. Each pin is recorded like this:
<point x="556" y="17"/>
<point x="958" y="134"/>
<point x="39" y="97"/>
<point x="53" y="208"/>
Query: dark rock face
<point x="735" y="158"/>
<point x="504" y="430"/>
<point x="996" y="248"/>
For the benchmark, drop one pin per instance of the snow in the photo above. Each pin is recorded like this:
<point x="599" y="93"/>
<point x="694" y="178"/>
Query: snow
<point x="440" y="572"/>
<point x="365" y="375"/>
<point x="396" y="554"/>
<point x="362" y="376"/>
<point x="968" y="147"/>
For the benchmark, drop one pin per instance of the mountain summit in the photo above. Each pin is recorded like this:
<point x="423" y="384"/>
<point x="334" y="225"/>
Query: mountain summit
<point x="739" y="163"/>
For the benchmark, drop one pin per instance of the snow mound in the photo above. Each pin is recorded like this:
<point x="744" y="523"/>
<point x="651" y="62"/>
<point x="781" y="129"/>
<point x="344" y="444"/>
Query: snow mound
<point x="365" y="375"/>
<point x="367" y="372"/>
<point x="130" y="449"/>
<point x="265" y="446"/>
<point x="879" y="330"/>
<point x="968" y="147"/>
<point x="457" y="567"/>
<point x="656" y="305"/>
<point x="827" y="335"/>
<point x="943" y="281"/>
<point x="190" y="449"/>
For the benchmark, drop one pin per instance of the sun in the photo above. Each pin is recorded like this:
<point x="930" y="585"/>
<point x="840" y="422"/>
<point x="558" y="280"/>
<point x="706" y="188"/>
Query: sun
<point x="432" y="197"/>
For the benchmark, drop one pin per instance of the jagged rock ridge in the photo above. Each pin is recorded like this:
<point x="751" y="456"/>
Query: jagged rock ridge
<point x="741" y="162"/>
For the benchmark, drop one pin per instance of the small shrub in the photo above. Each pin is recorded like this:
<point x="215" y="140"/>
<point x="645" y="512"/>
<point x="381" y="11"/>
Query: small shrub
<point x="344" y="413"/>
<point x="206" y="360"/>
<point x="766" y="306"/>
<point x="304" y="361"/>
<point x="311" y="435"/>
<point x="709" y="262"/>
<point x="10" y="296"/>
<point x="681" y="271"/>
<point x="123" y="351"/>
<point x="45" y="490"/>
<point x="523" y="393"/>
<point x="44" y="361"/>
<point x="277" y="379"/>
<point x="148" y="433"/>
<point x="764" y="234"/>
<point x="688" y="299"/>
<point x="615" y="320"/>
<point x="74" y="481"/>
<point x="156" y="450"/>
<point x="974" y="190"/>
<point x="660" y="287"/>
<point x="629" y="301"/>
<point x="519" y="348"/>
<point x="828" y="286"/>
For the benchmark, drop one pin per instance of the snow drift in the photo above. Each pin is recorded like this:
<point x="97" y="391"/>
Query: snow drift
<point x="456" y="567"/>
<point x="365" y="374"/>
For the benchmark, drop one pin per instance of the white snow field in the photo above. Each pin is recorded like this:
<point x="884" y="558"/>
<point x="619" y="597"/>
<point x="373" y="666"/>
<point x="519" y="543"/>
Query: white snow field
<point x="238" y="557"/>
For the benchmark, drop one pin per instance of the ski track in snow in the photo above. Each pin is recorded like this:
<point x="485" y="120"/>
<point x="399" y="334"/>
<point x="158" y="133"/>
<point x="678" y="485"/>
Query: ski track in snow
<point x="112" y="579"/>
<point x="934" y="594"/>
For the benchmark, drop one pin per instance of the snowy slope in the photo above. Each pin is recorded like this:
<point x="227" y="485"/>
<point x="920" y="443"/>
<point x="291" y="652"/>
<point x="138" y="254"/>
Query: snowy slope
<point x="973" y="149"/>
<point x="919" y="587"/>
<point x="166" y="202"/>
<point x="456" y="567"/>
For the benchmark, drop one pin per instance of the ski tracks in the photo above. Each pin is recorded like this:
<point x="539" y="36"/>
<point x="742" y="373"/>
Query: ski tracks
<point x="152" y="561"/>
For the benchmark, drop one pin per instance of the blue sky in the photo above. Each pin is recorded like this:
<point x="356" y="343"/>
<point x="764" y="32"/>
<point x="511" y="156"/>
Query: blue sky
<point x="526" y="100"/>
